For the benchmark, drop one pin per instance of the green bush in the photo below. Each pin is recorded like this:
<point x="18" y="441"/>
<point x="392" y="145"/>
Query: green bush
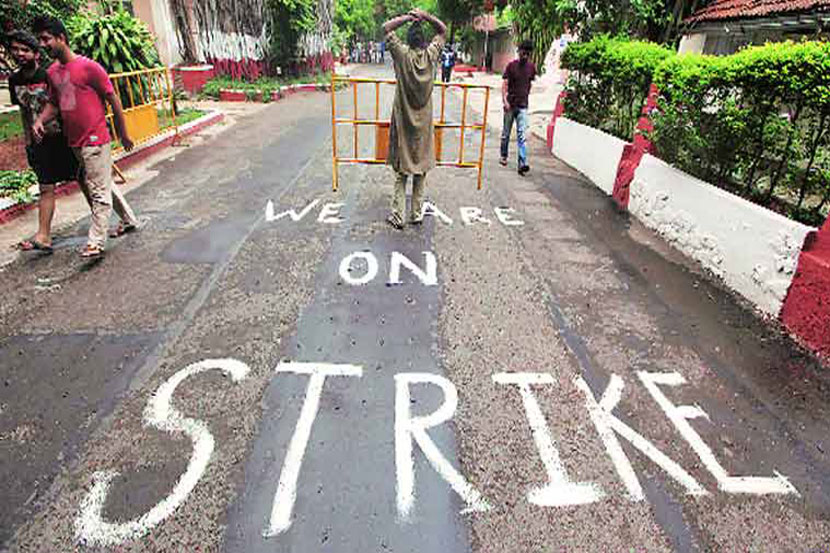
<point x="15" y="184"/>
<point x="264" y="85"/>
<point x="756" y="123"/>
<point x="118" y="41"/>
<point x="610" y="82"/>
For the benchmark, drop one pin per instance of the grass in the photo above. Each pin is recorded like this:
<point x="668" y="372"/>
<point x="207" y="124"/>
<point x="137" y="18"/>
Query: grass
<point x="10" y="125"/>
<point x="186" y="115"/>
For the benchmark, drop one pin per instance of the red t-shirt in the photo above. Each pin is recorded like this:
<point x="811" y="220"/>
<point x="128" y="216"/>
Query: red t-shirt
<point x="78" y="89"/>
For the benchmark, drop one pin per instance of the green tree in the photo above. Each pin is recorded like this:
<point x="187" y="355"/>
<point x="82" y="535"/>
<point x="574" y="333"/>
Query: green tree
<point x="288" y="21"/>
<point x="355" y="19"/>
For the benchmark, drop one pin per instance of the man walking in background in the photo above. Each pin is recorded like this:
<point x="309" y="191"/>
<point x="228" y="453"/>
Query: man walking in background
<point x="411" y="140"/>
<point x="515" y="90"/>
<point x="447" y="63"/>
<point x="79" y="90"/>
<point x="50" y="158"/>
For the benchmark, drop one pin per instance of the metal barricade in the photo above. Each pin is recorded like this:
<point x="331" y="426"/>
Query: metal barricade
<point x="147" y="99"/>
<point x="382" y="126"/>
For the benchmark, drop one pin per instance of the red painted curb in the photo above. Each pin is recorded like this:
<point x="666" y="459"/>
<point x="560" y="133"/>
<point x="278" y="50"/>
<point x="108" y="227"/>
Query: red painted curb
<point x="232" y="96"/>
<point x="558" y="111"/>
<point x="633" y="153"/>
<point x="806" y="309"/>
<point x="129" y="159"/>
<point x="226" y="95"/>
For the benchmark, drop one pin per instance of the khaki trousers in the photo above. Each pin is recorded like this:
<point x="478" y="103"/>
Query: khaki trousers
<point x="399" y="197"/>
<point x="101" y="194"/>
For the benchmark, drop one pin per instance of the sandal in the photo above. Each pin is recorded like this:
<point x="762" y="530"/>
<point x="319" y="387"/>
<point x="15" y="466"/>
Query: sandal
<point x="122" y="229"/>
<point x="92" y="252"/>
<point x="34" y="245"/>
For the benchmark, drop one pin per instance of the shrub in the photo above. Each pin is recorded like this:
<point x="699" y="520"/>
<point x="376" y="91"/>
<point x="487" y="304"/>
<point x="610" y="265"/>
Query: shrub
<point x="610" y="82"/>
<point x="118" y="41"/>
<point x="15" y="184"/>
<point x="756" y="122"/>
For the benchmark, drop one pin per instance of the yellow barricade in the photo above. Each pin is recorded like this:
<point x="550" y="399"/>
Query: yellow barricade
<point x="382" y="126"/>
<point x="147" y="99"/>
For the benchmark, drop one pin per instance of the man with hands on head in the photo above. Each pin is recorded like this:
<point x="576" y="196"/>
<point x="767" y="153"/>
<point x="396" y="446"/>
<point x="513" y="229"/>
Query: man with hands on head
<point x="411" y="138"/>
<point x="79" y="90"/>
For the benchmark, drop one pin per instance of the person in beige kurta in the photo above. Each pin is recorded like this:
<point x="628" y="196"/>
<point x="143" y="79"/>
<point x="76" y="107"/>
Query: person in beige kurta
<point x="411" y="139"/>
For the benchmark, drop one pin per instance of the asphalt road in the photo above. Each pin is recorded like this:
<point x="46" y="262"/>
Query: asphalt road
<point x="529" y="371"/>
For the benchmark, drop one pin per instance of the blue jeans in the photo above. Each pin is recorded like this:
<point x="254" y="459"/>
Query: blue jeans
<point x="520" y="116"/>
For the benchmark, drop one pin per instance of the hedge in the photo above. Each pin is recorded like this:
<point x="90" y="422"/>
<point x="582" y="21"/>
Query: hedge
<point x="611" y="80"/>
<point x="756" y="123"/>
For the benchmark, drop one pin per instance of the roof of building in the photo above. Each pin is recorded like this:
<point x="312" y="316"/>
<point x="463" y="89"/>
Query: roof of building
<point x="721" y="10"/>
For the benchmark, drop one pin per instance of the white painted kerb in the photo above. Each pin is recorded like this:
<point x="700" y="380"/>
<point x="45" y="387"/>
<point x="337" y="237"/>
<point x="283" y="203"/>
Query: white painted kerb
<point x="754" y="250"/>
<point x="591" y="152"/>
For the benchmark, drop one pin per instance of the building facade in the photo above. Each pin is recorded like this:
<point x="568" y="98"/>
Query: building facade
<point x="725" y="26"/>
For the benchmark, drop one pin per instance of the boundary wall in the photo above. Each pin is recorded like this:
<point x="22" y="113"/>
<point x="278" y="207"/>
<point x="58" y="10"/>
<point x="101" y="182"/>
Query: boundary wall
<point x="781" y="266"/>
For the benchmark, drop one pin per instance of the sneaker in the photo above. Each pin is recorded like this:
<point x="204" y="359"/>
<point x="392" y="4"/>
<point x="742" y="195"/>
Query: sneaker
<point x="524" y="169"/>
<point x="395" y="221"/>
<point x="503" y="162"/>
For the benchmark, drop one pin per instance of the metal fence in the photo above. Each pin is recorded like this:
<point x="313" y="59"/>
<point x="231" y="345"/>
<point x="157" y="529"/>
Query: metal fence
<point x="382" y="126"/>
<point x="147" y="99"/>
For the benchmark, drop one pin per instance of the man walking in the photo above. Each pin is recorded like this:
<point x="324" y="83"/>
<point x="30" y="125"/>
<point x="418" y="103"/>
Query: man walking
<point x="515" y="90"/>
<point x="411" y="140"/>
<point x="50" y="158"/>
<point x="79" y="90"/>
<point x="447" y="63"/>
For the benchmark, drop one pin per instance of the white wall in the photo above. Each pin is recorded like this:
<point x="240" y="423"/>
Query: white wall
<point x="591" y="152"/>
<point x="754" y="250"/>
<point x="692" y="44"/>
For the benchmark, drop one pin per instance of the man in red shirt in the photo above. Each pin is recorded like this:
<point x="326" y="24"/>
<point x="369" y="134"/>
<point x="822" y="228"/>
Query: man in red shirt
<point x="79" y="90"/>
<point x="514" y="92"/>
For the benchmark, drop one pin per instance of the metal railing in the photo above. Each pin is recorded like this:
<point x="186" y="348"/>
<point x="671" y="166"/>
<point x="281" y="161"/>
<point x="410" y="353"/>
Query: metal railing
<point x="382" y="126"/>
<point x="147" y="100"/>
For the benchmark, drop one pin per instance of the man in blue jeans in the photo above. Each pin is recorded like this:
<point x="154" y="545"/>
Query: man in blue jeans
<point x="514" y="92"/>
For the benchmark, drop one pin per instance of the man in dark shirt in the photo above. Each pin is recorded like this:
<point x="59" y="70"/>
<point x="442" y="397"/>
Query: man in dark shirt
<point x="514" y="93"/>
<point x="50" y="158"/>
<point x="447" y="63"/>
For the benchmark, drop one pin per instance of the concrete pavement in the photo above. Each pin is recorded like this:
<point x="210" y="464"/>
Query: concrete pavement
<point x="539" y="277"/>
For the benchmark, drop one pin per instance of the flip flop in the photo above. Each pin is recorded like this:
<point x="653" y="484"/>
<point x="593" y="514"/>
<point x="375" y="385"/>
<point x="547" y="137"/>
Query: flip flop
<point x="123" y="229"/>
<point x="92" y="252"/>
<point x="34" y="245"/>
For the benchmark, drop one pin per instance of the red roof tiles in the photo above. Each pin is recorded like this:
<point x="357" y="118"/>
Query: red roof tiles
<point x="745" y="9"/>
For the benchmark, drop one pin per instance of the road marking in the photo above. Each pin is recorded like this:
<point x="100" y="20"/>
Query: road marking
<point x="90" y="528"/>
<point x="430" y="208"/>
<point x="292" y="214"/>
<point x="560" y="491"/>
<point x="503" y="214"/>
<point x="428" y="277"/>
<point x="680" y="414"/>
<point x="470" y="215"/>
<point x="329" y="213"/>
<point x="409" y="429"/>
<point x="371" y="268"/>
<point x="607" y="424"/>
<point x="286" y="494"/>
